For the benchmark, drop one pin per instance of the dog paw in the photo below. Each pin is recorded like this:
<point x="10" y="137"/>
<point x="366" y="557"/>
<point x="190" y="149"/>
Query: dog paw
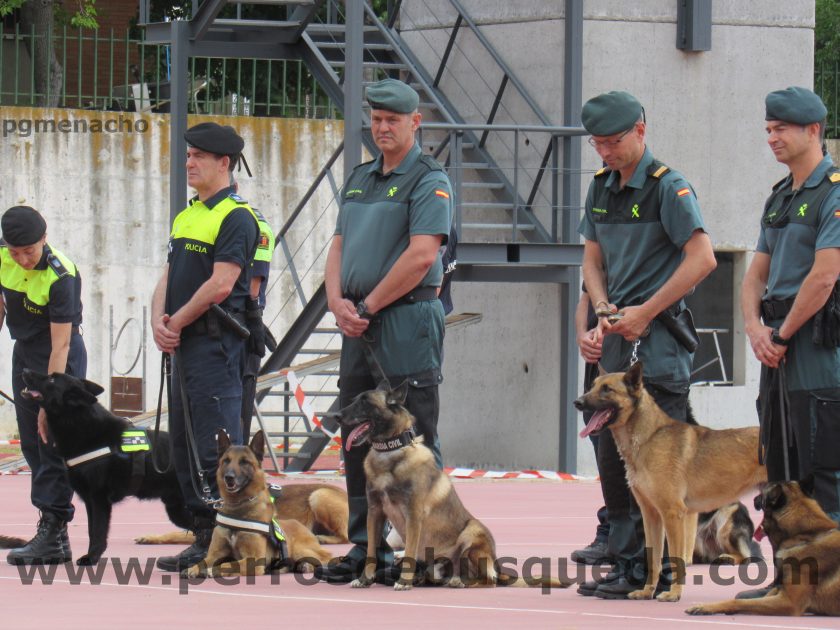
<point x="725" y="558"/>
<point x="456" y="582"/>
<point x="194" y="572"/>
<point x="360" y="583"/>
<point x="697" y="610"/>
<point x="668" y="596"/>
<point x="400" y="586"/>
<point x="87" y="560"/>
<point x="642" y="593"/>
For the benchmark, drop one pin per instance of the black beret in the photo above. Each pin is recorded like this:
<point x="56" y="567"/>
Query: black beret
<point x="392" y="95"/>
<point x="215" y="138"/>
<point x="796" y="105"/>
<point x="22" y="226"/>
<point x="610" y="113"/>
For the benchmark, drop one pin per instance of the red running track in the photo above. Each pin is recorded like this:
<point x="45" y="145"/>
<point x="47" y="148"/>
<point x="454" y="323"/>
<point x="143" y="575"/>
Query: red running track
<point x="538" y="519"/>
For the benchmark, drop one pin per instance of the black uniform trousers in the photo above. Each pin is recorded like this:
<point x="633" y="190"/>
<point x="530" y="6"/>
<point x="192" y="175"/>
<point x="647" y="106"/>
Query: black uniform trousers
<point x="627" y="535"/>
<point x="813" y="438"/>
<point x="602" y="532"/>
<point x="357" y="376"/>
<point x="50" y="490"/>
<point x="213" y="374"/>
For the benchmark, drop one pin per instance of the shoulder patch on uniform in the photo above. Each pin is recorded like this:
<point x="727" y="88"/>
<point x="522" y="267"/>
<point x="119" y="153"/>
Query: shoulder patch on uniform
<point x="442" y="193"/>
<point x="834" y="178"/>
<point x="57" y="266"/>
<point x="258" y="214"/>
<point x="682" y="192"/>
<point x="601" y="171"/>
<point x="237" y="198"/>
<point x="660" y="171"/>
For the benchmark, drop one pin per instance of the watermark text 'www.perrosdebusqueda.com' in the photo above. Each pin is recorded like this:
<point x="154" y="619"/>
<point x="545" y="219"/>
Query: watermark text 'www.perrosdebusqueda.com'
<point x="26" y="127"/>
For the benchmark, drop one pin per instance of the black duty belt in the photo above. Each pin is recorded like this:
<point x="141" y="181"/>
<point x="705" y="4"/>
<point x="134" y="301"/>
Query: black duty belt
<point x="418" y="294"/>
<point x="775" y="309"/>
<point x="204" y="326"/>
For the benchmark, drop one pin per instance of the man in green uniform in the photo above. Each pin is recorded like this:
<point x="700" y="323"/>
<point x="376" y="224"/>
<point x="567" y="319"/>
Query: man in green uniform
<point x="645" y="248"/>
<point x="789" y="281"/>
<point x="42" y="307"/>
<point x="211" y="247"/>
<point x="383" y="274"/>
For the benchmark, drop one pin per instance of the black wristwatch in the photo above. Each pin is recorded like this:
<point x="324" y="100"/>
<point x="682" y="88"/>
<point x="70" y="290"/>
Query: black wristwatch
<point x="362" y="310"/>
<point x="778" y="339"/>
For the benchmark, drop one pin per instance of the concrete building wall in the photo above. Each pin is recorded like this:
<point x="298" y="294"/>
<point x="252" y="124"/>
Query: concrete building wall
<point x="705" y="113"/>
<point x="105" y="197"/>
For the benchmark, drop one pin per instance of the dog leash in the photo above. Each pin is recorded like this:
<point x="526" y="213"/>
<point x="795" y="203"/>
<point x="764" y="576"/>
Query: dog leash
<point x="165" y="379"/>
<point x="204" y="492"/>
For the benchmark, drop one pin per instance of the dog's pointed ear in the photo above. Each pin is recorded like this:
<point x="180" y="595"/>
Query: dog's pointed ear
<point x="633" y="376"/>
<point x="257" y="445"/>
<point x="397" y="396"/>
<point x="601" y="370"/>
<point x="93" y="388"/>
<point x="774" y="497"/>
<point x="222" y="441"/>
<point x="383" y="385"/>
<point x="807" y="485"/>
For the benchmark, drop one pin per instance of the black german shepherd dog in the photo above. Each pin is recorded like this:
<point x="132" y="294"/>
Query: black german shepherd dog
<point x="80" y="425"/>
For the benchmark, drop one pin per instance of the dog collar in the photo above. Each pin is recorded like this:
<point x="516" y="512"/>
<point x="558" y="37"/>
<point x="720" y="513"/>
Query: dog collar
<point x="394" y="444"/>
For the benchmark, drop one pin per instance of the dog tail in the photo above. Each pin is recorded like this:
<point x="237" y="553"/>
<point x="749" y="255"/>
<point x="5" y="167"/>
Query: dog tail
<point x="11" y="542"/>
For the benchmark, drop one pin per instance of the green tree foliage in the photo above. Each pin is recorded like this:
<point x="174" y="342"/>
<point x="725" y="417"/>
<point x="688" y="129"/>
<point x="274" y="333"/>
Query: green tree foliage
<point x="827" y="61"/>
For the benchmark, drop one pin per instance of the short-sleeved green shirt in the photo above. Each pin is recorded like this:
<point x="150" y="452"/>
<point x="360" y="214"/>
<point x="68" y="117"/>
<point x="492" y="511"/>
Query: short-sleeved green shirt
<point x="812" y="223"/>
<point x="381" y="212"/>
<point x="641" y="230"/>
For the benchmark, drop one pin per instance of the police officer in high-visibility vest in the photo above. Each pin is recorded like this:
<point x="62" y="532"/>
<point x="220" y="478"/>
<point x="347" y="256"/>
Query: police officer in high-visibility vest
<point x="791" y="304"/>
<point x="42" y="307"/>
<point x="383" y="275"/>
<point x="256" y="305"/>
<point x="211" y="247"/>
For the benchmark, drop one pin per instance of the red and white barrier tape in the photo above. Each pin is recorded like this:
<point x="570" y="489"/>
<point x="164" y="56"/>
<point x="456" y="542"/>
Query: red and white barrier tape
<point x="306" y="406"/>
<point x="9" y="442"/>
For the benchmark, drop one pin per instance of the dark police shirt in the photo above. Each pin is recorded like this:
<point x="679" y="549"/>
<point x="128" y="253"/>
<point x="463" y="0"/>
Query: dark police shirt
<point x="222" y="229"/>
<point x="35" y="298"/>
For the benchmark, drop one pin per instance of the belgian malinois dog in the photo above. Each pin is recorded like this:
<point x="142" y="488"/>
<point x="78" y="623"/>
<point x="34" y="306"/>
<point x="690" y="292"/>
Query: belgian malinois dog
<point x="405" y="487"/>
<point x="321" y="507"/>
<point x="806" y="548"/>
<point x="244" y="540"/>
<point x="674" y="469"/>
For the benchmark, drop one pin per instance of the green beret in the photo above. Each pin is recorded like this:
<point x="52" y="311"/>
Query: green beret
<point x="22" y="226"/>
<point x="392" y="95"/>
<point x="796" y="105"/>
<point x="214" y="138"/>
<point x="610" y="113"/>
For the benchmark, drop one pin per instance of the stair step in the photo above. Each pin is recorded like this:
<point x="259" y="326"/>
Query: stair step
<point x="475" y="165"/>
<point x="374" y="64"/>
<point x="496" y="205"/>
<point x="275" y="2"/>
<point x="325" y="331"/>
<point x="336" y="44"/>
<point x="333" y="29"/>
<point x="286" y="393"/>
<point x="226" y="23"/>
<point x="483" y="185"/>
<point x="281" y="414"/>
<point x="522" y="227"/>
<point x="295" y="434"/>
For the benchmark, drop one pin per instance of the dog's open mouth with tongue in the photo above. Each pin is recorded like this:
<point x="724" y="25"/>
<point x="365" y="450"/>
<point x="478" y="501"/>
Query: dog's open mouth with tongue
<point x="598" y="422"/>
<point x="358" y="436"/>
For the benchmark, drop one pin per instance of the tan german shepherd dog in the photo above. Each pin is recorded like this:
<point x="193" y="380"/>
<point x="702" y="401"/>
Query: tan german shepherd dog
<point x="321" y="507"/>
<point x="806" y="547"/>
<point x="675" y="470"/>
<point x="246" y="499"/>
<point x="405" y="487"/>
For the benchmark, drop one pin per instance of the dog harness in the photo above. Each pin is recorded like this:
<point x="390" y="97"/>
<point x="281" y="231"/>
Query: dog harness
<point x="131" y="441"/>
<point x="394" y="444"/>
<point x="270" y="530"/>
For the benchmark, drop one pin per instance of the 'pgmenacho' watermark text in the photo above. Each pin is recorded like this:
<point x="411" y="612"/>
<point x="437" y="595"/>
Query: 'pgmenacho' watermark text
<point x="25" y="127"/>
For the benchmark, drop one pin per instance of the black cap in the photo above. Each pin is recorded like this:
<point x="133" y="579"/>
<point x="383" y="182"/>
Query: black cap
<point x="215" y="138"/>
<point x="22" y="226"/>
<point x="796" y="105"/>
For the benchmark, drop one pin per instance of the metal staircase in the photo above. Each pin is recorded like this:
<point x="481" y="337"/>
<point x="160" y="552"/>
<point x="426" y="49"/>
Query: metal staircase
<point x="513" y="175"/>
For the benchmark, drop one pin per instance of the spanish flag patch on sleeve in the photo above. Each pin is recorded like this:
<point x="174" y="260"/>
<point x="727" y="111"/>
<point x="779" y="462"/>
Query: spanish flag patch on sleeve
<point x="837" y="213"/>
<point x="442" y="193"/>
<point x="682" y="192"/>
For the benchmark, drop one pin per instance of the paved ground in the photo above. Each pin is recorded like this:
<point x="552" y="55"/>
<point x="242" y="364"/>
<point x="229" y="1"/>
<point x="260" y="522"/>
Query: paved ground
<point x="541" y="520"/>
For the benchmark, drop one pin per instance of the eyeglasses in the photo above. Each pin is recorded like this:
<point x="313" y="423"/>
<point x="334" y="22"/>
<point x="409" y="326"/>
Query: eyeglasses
<point x="600" y="144"/>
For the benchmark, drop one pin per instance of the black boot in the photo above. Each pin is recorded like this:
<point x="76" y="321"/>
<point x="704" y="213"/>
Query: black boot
<point x="193" y="554"/>
<point x="50" y="545"/>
